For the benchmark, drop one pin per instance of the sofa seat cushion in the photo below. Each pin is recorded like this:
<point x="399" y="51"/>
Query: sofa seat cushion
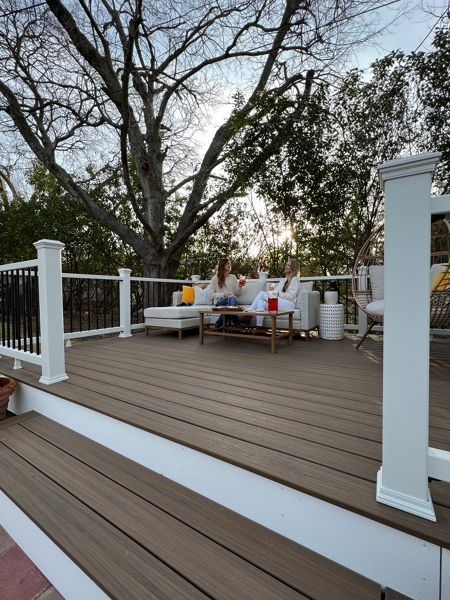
<point x="172" y="312"/>
<point x="376" y="308"/>
<point x="174" y="323"/>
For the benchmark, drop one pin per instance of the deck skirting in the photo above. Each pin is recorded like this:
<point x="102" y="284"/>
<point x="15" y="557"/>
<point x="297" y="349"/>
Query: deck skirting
<point x="379" y="552"/>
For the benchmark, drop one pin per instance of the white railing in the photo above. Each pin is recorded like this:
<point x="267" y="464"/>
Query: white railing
<point x="50" y="333"/>
<point x="407" y="459"/>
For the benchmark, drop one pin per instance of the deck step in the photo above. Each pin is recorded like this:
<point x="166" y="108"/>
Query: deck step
<point x="137" y="534"/>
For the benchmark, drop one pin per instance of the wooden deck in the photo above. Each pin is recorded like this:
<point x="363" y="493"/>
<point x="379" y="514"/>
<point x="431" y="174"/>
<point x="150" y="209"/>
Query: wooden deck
<point x="138" y="535"/>
<point x="308" y="417"/>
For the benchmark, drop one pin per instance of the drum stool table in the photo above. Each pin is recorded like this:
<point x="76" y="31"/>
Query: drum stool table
<point x="331" y="321"/>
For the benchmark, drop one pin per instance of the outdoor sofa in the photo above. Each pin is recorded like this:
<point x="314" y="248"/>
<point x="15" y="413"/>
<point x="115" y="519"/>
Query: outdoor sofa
<point x="181" y="318"/>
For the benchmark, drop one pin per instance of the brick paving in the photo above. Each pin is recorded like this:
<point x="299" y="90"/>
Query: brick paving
<point x="20" y="579"/>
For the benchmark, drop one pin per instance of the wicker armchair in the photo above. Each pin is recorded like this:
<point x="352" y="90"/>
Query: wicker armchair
<point x="372" y="255"/>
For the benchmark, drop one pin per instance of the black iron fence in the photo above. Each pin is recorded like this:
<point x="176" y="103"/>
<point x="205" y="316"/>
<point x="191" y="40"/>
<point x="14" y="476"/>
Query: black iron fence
<point x="150" y="293"/>
<point x="19" y="309"/>
<point x="344" y="289"/>
<point x="90" y="302"/>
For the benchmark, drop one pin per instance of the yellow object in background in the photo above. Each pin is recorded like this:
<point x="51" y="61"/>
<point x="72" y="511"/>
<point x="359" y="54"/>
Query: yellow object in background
<point x="441" y="281"/>
<point x="188" y="294"/>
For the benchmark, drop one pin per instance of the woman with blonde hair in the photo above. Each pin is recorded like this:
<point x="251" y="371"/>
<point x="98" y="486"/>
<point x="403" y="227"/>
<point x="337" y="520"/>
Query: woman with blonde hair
<point x="287" y="291"/>
<point x="224" y="288"/>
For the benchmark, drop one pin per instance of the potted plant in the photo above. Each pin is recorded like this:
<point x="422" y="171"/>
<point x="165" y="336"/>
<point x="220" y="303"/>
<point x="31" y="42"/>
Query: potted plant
<point x="7" y="387"/>
<point x="331" y="296"/>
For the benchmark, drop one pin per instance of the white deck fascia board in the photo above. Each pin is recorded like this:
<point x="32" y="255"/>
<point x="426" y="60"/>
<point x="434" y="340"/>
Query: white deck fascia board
<point x="59" y="569"/>
<point x="445" y="581"/>
<point x="386" y="555"/>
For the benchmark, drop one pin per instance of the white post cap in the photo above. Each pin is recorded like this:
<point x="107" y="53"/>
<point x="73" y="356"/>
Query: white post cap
<point x="409" y="165"/>
<point x="48" y="244"/>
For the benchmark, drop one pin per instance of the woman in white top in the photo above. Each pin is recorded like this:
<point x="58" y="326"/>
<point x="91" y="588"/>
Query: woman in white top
<point x="287" y="291"/>
<point x="224" y="288"/>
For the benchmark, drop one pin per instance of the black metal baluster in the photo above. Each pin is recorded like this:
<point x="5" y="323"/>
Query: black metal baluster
<point x="111" y="287"/>
<point x="71" y="304"/>
<point x="38" y="314"/>
<point x="8" y="308"/>
<point x="24" y="310"/>
<point x="80" y="306"/>
<point x="14" y="308"/>
<point x="104" y="303"/>
<point x="96" y="304"/>
<point x="2" y="284"/>
<point x="89" y="304"/>
<point x="30" y="309"/>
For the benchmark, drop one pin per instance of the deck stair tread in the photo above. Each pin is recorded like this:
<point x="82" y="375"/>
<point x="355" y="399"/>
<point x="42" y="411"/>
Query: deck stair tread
<point x="138" y="534"/>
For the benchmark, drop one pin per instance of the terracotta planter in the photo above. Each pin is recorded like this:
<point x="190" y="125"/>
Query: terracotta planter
<point x="7" y="387"/>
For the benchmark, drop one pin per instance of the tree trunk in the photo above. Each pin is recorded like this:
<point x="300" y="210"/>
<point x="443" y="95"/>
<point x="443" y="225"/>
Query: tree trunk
<point x="158" y="293"/>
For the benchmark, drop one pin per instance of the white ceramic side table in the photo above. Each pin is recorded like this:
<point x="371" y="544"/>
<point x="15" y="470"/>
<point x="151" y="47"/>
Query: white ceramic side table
<point x="331" y="322"/>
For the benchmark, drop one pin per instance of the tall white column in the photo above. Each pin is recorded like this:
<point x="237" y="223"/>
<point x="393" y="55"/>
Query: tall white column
<point x="51" y="311"/>
<point x="125" y="303"/>
<point x="403" y="478"/>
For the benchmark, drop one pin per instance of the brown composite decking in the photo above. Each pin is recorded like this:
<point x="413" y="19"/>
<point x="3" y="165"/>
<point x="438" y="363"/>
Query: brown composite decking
<point x="139" y="535"/>
<point x="308" y="417"/>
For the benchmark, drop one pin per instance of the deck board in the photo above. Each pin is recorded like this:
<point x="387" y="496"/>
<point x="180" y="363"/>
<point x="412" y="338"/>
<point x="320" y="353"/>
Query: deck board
<point x="308" y="417"/>
<point x="139" y="535"/>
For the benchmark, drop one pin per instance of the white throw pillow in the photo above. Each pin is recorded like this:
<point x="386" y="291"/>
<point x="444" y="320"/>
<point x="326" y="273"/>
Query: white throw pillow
<point x="376" y="274"/>
<point x="201" y="297"/>
<point x="250" y="289"/>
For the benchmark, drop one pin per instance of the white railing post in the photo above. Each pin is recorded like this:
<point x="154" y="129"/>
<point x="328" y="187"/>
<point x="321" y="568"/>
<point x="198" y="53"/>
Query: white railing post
<point x="51" y="311"/>
<point x="403" y="478"/>
<point x="125" y="303"/>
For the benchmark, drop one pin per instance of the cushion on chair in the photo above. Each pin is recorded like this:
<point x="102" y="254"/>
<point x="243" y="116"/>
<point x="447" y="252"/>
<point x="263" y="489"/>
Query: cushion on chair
<point x="376" y="308"/>
<point x="376" y="274"/>
<point x="250" y="289"/>
<point x="172" y="312"/>
<point x="439" y="277"/>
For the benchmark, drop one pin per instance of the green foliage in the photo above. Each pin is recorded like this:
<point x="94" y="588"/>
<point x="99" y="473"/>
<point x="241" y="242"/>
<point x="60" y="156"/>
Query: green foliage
<point x="51" y="214"/>
<point x="322" y="179"/>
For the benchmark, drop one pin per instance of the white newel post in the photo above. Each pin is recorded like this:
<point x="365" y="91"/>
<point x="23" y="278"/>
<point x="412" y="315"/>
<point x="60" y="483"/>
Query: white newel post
<point x="403" y="478"/>
<point x="125" y="303"/>
<point x="51" y="311"/>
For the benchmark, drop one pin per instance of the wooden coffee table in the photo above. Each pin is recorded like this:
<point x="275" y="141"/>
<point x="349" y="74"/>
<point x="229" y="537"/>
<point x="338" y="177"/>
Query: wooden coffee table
<point x="276" y="334"/>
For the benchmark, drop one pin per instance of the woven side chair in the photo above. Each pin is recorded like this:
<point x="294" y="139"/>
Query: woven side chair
<point x="372" y="255"/>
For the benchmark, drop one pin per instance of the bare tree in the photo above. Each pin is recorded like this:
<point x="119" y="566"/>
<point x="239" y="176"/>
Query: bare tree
<point x="105" y="80"/>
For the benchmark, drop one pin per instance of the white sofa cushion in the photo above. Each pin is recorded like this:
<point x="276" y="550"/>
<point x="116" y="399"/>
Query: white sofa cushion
<point x="376" y="274"/>
<point x="172" y="312"/>
<point x="174" y="323"/>
<point x="305" y="286"/>
<point x="250" y="289"/>
<point x="376" y="308"/>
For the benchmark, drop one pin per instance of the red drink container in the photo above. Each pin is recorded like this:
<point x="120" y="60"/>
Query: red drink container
<point x="272" y="304"/>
